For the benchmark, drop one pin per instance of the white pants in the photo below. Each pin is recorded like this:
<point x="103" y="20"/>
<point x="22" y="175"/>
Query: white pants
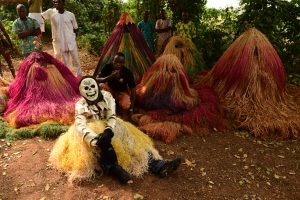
<point x="65" y="57"/>
<point x="75" y="60"/>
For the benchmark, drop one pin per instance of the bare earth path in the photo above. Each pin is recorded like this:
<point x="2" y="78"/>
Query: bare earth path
<point x="230" y="165"/>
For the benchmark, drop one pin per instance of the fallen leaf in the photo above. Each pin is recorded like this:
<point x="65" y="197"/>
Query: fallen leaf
<point x="276" y="176"/>
<point x="138" y="196"/>
<point x="4" y="173"/>
<point x="268" y="183"/>
<point x="292" y="173"/>
<point x="240" y="149"/>
<point x="237" y="156"/>
<point x="47" y="187"/>
<point x="281" y="156"/>
<point x="202" y="169"/>
<point x="203" y="173"/>
<point x="242" y="182"/>
<point x="210" y="182"/>
<point x="245" y="155"/>
<point x="43" y="198"/>
<point x="190" y="163"/>
<point x="16" y="153"/>
<point x="170" y="152"/>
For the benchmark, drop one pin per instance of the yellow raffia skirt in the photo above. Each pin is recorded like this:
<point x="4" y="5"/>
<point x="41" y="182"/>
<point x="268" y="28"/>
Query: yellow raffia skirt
<point x="72" y="155"/>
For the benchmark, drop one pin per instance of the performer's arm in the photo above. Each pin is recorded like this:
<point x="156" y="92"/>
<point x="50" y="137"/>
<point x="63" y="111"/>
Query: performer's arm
<point x="89" y="136"/>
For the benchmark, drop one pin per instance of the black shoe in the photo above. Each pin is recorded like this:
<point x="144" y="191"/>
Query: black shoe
<point x="169" y="166"/>
<point x="120" y="174"/>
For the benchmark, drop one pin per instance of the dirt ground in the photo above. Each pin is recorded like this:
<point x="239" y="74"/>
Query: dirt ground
<point x="228" y="165"/>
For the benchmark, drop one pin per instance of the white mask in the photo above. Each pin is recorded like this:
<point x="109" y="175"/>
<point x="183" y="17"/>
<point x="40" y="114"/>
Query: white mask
<point x="89" y="89"/>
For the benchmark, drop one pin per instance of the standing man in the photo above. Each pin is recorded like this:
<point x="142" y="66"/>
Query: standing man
<point x="120" y="82"/>
<point x="64" y="26"/>
<point x="163" y="28"/>
<point x="26" y="28"/>
<point x="185" y="27"/>
<point x="35" y="12"/>
<point x="147" y="29"/>
<point x="5" y="49"/>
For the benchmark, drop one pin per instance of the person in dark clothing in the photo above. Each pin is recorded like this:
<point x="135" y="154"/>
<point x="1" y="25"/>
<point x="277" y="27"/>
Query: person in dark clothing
<point x="119" y="81"/>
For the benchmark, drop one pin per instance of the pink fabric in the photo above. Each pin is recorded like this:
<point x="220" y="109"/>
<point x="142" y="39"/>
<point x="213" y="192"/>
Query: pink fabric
<point x="41" y="93"/>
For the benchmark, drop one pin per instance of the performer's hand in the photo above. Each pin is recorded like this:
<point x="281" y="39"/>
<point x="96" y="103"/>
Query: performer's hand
<point x="104" y="138"/>
<point x="116" y="74"/>
<point x="108" y="133"/>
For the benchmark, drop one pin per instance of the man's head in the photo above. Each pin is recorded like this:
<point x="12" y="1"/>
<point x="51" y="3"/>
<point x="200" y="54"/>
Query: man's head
<point x="21" y="10"/>
<point x="118" y="61"/>
<point x="146" y="16"/>
<point x="163" y="14"/>
<point x="185" y="16"/>
<point x="59" y="5"/>
<point x="90" y="90"/>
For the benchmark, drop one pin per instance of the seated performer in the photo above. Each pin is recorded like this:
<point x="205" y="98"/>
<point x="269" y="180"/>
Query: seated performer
<point x="120" y="82"/>
<point x="99" y="141"/>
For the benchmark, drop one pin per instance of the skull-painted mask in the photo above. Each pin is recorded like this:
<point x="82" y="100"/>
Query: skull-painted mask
<point x="90" y="90"/>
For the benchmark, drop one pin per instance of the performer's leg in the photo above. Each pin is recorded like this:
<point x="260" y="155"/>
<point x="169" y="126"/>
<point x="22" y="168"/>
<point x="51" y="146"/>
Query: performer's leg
<point x="75" y="60"/>
<point x="109" y="161"/>
<point x="163" y="167"/>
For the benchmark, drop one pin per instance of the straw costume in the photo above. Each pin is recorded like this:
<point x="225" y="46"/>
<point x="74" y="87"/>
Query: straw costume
<point x="100" y="141"/>
<point x="251" y="82"/>
<point x="44" y="89"/>
<point x="127" y="38"/>
<point x="187" y="53"/>
<point x="165" y="91"/>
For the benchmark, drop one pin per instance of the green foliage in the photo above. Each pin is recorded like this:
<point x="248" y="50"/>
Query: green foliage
<point x="96" y="19"/>
<point x="4" y="128"/>
<point x="8" y="12"/>
<point x="294" y="79"/>
<point x="215" y="32"/>
<point x="45" y="130"/>
<point x="13" y="37"/>
<point x="279" y="21"/>
<point x="194" y="7"/>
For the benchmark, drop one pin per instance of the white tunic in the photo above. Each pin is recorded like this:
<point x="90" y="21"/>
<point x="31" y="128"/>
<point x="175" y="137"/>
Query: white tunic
<point x="103" y="110"/>
<point x="62" y="26"/>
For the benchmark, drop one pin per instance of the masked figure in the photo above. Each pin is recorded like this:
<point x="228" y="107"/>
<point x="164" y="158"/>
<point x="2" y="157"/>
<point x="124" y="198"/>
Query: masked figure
<point x="99" y="141"/>
<point x="44" y="89"/>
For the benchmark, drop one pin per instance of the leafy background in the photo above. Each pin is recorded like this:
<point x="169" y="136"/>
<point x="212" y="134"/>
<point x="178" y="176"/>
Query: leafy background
<point x="279" y="20"/>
